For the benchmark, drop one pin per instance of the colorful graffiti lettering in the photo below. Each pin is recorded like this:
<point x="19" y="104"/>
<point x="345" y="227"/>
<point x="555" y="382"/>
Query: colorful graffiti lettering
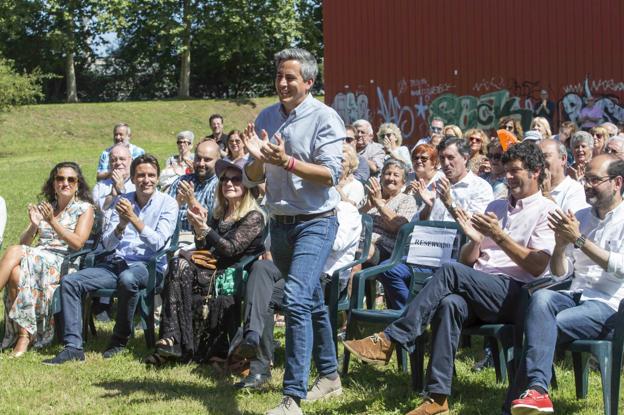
<point x="351" y="107"/>
<point x="479" y="112"/>
<point x="573" y="103"/>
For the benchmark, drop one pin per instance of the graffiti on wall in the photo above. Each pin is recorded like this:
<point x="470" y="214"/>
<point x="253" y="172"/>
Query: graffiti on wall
<point x="351" y="107"/>
<point x="483" y="111"/>
<point x="574" y="100"/>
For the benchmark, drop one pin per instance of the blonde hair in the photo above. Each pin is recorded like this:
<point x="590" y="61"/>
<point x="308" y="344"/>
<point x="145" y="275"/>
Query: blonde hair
<point x="542" y="122"/>
<point x="485" y="140"/>
<point x="351" y="158"/>
<point x="390" y="128"/>
<point x="456" y="131"/>
<point x="247" y="204"/>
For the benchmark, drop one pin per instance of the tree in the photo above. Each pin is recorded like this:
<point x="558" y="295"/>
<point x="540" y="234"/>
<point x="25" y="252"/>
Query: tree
<point x="17" y="89"/>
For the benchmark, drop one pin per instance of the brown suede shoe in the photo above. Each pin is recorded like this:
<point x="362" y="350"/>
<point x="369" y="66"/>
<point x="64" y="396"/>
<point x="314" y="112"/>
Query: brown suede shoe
<point x="373" y="349"/>
<point x="430" y="407"/>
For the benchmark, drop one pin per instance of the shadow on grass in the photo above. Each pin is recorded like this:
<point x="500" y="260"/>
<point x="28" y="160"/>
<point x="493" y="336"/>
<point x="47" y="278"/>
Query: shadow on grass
<point x="217" y="399"/>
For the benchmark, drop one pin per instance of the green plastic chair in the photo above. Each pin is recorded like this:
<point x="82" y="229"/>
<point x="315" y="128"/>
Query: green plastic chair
<point x="363" y="322"/>
<point x="337" y="301"/>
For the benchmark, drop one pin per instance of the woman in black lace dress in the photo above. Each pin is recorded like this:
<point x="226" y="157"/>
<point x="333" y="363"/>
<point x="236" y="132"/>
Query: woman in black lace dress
<point x="193" y="317"/>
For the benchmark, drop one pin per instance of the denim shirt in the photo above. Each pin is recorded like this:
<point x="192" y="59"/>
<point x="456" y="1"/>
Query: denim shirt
<point x="204" y="193"/>
<point x="103" y="164"/>
<point x="314" y="133"/>
<point x="160" y="215"/>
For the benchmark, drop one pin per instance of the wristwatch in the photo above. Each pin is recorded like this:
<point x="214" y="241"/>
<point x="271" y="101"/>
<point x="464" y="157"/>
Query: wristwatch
<point x="454" y="205"/>
<point x="202" y="234"/>
<point x="580" y="241"/>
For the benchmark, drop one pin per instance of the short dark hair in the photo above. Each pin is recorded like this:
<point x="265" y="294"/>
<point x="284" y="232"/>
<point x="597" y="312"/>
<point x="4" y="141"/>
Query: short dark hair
<point x="462" y="146"/>
<point x="530" y="155"/>
<point x="213" y="116"/>
<point x="144" y="159"/>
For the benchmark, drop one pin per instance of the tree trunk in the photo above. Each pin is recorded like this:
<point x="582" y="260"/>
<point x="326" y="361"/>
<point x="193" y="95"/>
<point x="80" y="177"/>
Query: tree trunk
<point x="185" y="57"/>
<point x="70" y="75"/>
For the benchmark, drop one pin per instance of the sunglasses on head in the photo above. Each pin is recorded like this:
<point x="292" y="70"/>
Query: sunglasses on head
<point x="69" y="179"/>
<point x="235" y="179"/>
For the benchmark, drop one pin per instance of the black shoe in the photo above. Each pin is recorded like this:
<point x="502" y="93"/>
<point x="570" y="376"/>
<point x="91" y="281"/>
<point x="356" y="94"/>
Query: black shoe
<point x="487" y="361"/>
<point x="68" y="354"/>
<point x="113" y="351"/>
<point x="256" y="382"/>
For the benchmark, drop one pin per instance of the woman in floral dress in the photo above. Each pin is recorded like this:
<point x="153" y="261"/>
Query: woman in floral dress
<point x="62" y="224"/>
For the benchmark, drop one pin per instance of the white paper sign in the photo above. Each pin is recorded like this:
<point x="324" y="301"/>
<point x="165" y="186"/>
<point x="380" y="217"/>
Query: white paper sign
<point x="431" y="247"/>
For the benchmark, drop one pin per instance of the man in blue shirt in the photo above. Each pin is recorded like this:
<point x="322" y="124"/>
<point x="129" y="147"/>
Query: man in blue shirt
<point x="141" y="225"/>
<point x="121" y="135"/>
<point x="299" y="157"/>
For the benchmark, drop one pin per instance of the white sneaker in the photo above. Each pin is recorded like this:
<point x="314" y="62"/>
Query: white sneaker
<point x="288" y="406"/>
<point x="323" y="388"/>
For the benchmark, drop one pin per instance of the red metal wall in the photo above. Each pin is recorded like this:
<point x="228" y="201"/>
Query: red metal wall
<point x="470" y="61"/>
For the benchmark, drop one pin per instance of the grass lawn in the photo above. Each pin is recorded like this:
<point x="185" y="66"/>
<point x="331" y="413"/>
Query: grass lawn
<point x="32" y="140"/>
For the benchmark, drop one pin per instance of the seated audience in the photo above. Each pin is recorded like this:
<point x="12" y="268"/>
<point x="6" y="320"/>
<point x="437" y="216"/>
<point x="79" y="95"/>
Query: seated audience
<point x="389" y="135"/>
<point x="62" y="223"/>
<point x="121" y="134"/>
<point x="615" y="146"/>
<point x="541" y="125"/>
<point x="106" y="191"/>
<point x="566" y="129"/>
<point x="426" y="173"/>
<point x="611" y="128"/>
<point x="496" y="177"/>
<point x="389" y="207"/>
<point x="508" y="245"/>
<point x="197" y="188"/>
<point x="512" y="125"/>
<point x="141" y="225"/>
<point x="178" y="164"/>
<point x="362" y="173"/>
<point x="236" y="152"/>
<point x="351" y="190"/>
<point x="590" y="114"/>
<point x="589" y="248"/>
<point x="478" y="141"/>
<point x="600" y="135"/>
<point x="582" y="145"/>
<point x="234" y="230"/>
<point x="452" y="130"/>
<point x="567" y="193"/>
<point x="436" y="133"/>
<point x="365" y="146"/>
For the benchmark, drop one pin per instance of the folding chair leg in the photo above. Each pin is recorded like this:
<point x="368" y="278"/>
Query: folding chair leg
<point x="417" y="362"/>
<point x="614" y="398"/>
<point x="581" y="373"/>
<point x="605" y="376"/>
<point x="345" y="362"/>
<point x="500" y="360"/>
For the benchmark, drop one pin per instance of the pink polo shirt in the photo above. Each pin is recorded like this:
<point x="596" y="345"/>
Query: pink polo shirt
<point x="526" y="223"/>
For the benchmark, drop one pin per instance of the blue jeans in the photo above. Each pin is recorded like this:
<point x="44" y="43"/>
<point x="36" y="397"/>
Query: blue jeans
<point x="555" y="317"/>
<point x="74" y="286"/>
<point x="396" y="283"/>
<point x="300" y="251"/>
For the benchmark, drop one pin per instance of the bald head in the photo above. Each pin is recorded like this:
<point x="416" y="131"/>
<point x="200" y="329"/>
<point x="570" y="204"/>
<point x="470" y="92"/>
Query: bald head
<point x="206" y="155"/>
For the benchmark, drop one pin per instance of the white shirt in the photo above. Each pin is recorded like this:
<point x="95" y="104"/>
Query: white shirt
<point x="472" y="193"/>
<point x="569" y="194"/>
<point x="527" y="224"/>
<point x="346" y="242"/>
<point x="354" y="191"/>
<point x="102" y="189"/>
<point x="589" y="277"/>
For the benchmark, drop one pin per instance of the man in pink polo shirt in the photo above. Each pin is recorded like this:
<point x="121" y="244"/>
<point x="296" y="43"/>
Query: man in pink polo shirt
<point x="510" y="244"/>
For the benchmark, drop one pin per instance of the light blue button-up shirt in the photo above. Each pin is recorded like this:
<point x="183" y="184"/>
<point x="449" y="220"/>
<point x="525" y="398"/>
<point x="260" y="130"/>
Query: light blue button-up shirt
<point x="314" y="133"/>
<point x="160" y="215"/>
<point x="204" y="193"/>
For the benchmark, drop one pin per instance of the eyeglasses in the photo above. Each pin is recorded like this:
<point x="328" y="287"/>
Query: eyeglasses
<point x="594" y="181"/>
<point x="183" y="142"/>
<point x="349" y="139"/>
<point x="475" y="139"/>
<point x="610" y="150"/>
<point x="435" y="129"/>
<point x="494" y="156"/>
<point x="598" y="135"/>
<point x="509" y="127"/>
<point x="384" y="135"/>
<point x="421" y="158"/>
<point x="236" y="180"/>
<point x="69" y="179"/>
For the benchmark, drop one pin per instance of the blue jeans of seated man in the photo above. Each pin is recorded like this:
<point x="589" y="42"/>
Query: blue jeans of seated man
<point x="396" y="283"/>
<point x="300" y="251"/>
<point x="74" y="286"/>
<point x="556" y="317"/>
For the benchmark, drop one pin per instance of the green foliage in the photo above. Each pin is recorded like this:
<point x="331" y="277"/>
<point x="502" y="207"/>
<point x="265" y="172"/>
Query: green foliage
<point x="18" y="89"/>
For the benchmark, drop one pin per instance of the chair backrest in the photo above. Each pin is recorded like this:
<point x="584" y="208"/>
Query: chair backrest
<point x="365" y="237"/>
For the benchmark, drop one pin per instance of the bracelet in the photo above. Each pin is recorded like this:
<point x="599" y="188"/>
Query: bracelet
<point x="202" y="234"/>
<point x="291" y="164"/>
